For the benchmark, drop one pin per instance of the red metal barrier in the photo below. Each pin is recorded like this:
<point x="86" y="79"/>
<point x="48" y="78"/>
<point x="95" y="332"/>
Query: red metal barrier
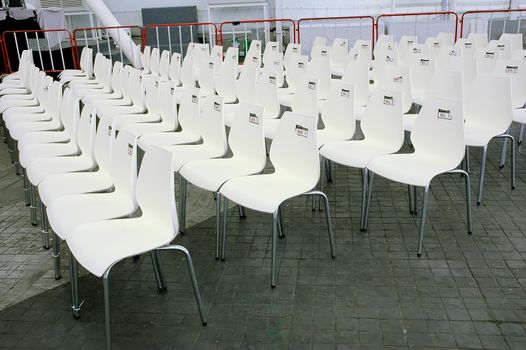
<point x="266" y="23"/>
<point x="342" y="22"/>
<point x="15" y="41"/>
<point x="417" y="15"/>
<point x="185" y="32"/>
<point x="490" y="14"/>
<point x="100" y="36"/>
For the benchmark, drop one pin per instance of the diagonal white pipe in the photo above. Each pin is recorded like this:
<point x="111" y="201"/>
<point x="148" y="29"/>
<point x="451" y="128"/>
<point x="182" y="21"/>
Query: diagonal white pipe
<point x="121" y="38"/>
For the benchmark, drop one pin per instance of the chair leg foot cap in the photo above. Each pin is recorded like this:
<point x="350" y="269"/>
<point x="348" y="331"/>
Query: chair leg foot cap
<point x="273" y="286"/>
<point x="501" y="166"/>
<point x="470" y="232"/>
<point x="478" y="203"/>
<point x="419" y="254"/>
<point x="512" y="187"/>
<point x="34" y="224"/>
<point x="204" y="324"/>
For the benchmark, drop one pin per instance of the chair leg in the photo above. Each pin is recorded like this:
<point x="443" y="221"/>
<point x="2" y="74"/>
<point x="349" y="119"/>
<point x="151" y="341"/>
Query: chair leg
<point x="56" y="256"/>
<point x="503" y="154"/>
<point x="329" y="225"/>
<point x="513" y="151"/>
<point x="26" y="189"/>
<point x="107" y="314"/>
<point x="467" y="160"/>
<point x="182" y="204"/>
<point x="17" y="159"/>
<point x="415" y="200"/>
<point x="422" y="221"/>
<point x="468" y="194"/>
<point x="157" y="270"/>
<point x="74" y="281"/>
<point x="369" y="194"/>
<point x="365" y="178"/>
<point x="225" y="217"/>
<point x="521" y="134"/>
<point x="329" y="170"/>
<point x="195" y="286"/>
<point x="45" y="226"/>
<point x="281" y="231"/>
<point x="33" y="209"/>
<point x="218" y="222"/>
<point x="323" y="170"/>
<point x="274" y="246"/>
<point x="241" y="211"/>
<point x="410" y="196"/>
<point x="482" y="171"/>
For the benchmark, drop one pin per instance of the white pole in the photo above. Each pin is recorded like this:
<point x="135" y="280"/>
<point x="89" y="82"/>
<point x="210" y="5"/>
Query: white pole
<point x="121" y="38"/>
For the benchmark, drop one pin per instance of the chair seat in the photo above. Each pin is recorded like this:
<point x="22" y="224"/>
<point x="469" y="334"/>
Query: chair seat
<point x="264" y="192"/>
<point x="409" y="121"/>
<point x="355" y="153"/>
<point x="411" y="169"/>
<point x="210" y="174"/>
<point x="42" y="150"/>
<point x="68" y="212"/>
<point x="60" y="185"/>
<point x="90" y="89"/>
<point x="324" y="136"/>
<point x="418" y="96"/>
<point x="286" y="99"/>
<point x="94" y="244"/>
<point x="4" y="105"/>
<point x="41" y="168"/>
<point x="270" y="126"/>
<point x="43" y="137"/>
<point x="14" y="90"/>
<point x="337" y="71"/>
<point x="113" y="111"/>
<point x="122" y="120"/>
<point x="519" y="115"/>
<point x="93" y="98"/>
<point x="478" y="135"/>
<point x="14" y="119"/>
<point x="183" y="154"/>
<point x="229" y="111"/>
<point x="23" y="110"/>
<point x="20" y="129"/>
<point x="167" y="139"/>
<point x="359" y="112"/>
<point x="105" y="103"/>
<point x="148" y="128"/>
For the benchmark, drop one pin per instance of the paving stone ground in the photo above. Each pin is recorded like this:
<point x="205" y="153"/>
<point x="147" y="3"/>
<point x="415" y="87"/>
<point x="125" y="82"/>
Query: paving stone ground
<point x="466" y="291"/>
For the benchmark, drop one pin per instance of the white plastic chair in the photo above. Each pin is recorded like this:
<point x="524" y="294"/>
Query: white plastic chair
<point x="116" y="93"/>
<point x="292" y="49"/>
<point x="174" y="70"/>
<point x="145" y="59"/>
<point x="515" y="39"/>
<point x="294" y="155"/>
<point x="422" y="68"/>
<point x="467" y="47"/>
<point x="357" y="73"/>
<point x="503" y="46"/>
<point x="397" y="78"/>
<point x="297" y="67"/>
<point x="98" y="246"/>
<point x="486" y="60"/>
<point x="447" y="38"/>
<point x="440" y="119"/>
<point x="226" y="79"/>
<point x="247" y="143"/>
<point x="383" y="134"/>
<point x="339" y="54"/>
<point x="404" y="45"/>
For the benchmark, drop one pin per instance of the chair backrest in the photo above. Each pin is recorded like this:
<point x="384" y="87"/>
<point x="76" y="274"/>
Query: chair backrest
<point x="66" y="112"/>
<point x="201" y="54"/>
<point x="380" y="44"/>
<point x="104" y="139"/>
<point x="339" y="111"/>
<point x="154" y="62"/>
<point x="125" y="81"/>
<point x="518" y="55"/>
<point x="247" y="138"/>
<point x="155" y="192"/>
<point x="98" y="65"/>
<point x="43" y="90"/>
<point x="361" y="51"/>
<point x="175" y="68"/>
<point x="465" y="64"/>
<point x="86" y="127"/>
<point x="116" y="77"/>
<point x="467" y="46"/>
<point x="447" y="38"/>
<point x="404" y="45"/>
<point x="226" y="79"/>
<point x="145" y="58"/>
<point x="415" y="49"/>
<point x="276" y="66"/>
<point x="357" y="73"/>
<point x="190" y="110"/>
<point x="503" y="46"/>
<point x="397" y="78"/>
<point x="383" y="119"/>
<point x="168" y="104"/>
<point x="384" y="56"/>
<point x="267" y="93"/>
<point x="55" y="100"/>
<point x="318" y="41"/>
<point x="294" y="150"/>
<point x="516" y="72"/>
<point x="486" y="60"/>
<point x="255" y="51"/>
<point x="515" y="40"/>
<point x="271" y="48"/>
<point x="123" y="167"/>
<point x="164" y="65"/>
<point x="439" y="131"/>
<point x="447" y="84"/>
<point x="305" y="100"/>
<point x="433" y="45"/>
<point x="320" y="67"/>
<point x="297" y="68"/>
<point x="206" y="77"/>
<point x="292" y="49"/>
<point x="136" y="87"/>
<point x="339" y="52"/>
<point x="216" y="55"/>
<point x="488" y="103"/>
<point x="212" y="123"/>
<point x="422" y="67"/>
<point x="187" y="72"/>
<point x="480" y="39"/>
<point x="151" y="98"/>
<point x="246" y="84"/>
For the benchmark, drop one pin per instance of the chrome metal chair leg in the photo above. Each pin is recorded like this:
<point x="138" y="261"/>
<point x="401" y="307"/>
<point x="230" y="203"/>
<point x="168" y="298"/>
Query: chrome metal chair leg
<point x="157" y="270"/>
<point x="365" y="178"/>
<point x="329" y="170"/>
<point x="467" y="167"/>
<point x="513" y="154"/>
<point x="218" y="222"/>
<point x="56" y="256"/>
<point x="241" y="211"/>
<point x="369" y="194"/>
<point x="323" y="169"/>
<point x="422" y="221"/>
<point x="329" y="225"/>
<point x="482" y="171"/>
<point x="26" y="189"/>
<point x="503" y="153"/>
<point x="182" y="204"/>
<point x="415" y="201"/>
<point x="468" y="194"/>
<point x="274" y="249"/>
<point x="281" y="230"/>
<point x="16" y="157"/>
<point x="33" y="209"/>
<point x="410" y="196"/>
<point x="225" y="219"/>
<point x="45" y="227"/>
<point x="521" y="134"/>
<point x="74" y="281"/>
<point x="107" y="314"/>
